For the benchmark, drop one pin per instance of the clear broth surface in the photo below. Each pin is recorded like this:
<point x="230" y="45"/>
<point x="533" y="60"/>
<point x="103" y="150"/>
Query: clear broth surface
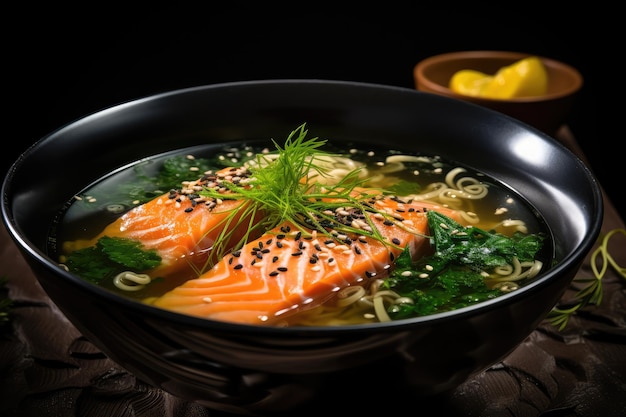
<point x="105" y="200"/>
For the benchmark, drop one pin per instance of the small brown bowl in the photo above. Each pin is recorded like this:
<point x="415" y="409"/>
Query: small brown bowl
<point x="546" y="113"/>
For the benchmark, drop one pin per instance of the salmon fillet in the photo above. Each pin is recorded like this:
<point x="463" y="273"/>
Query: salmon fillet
<point x="289" y="269"/>
<point x="181" y="226"/>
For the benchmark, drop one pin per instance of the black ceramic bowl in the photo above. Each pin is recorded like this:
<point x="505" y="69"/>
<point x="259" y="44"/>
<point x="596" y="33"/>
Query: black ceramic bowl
<point x="269" y="370"/>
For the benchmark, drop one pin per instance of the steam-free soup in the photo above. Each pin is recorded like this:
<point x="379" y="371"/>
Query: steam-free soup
<point x="305" y="232"/>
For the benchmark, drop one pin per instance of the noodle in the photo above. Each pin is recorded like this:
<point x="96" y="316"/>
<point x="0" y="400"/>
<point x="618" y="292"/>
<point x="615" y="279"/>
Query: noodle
<point x="517" y="271"/>
<point x="131" y="281"/>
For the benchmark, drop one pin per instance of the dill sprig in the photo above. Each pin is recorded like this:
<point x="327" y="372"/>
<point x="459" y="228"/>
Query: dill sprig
<point x="282" y="187"/>
<point x="591" y="293"/>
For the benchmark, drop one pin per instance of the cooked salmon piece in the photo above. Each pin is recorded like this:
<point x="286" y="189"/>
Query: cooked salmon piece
<point x="289" y="269"/>
<point x="182" y="226"/>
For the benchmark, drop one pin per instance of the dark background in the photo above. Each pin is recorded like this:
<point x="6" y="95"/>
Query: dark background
<point x="66" y="63"/>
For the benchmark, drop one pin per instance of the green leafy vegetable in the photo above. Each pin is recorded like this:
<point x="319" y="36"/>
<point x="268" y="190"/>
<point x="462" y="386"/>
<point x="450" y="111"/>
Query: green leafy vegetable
<point x="109" y="257"/>
<point x="174" y="171"/>
<point x="452" y="277"/>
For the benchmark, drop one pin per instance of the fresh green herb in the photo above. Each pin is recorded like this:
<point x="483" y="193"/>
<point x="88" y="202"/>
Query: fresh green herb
<point x="280" y="189"/>
<point x="453" y="274"/>
<point x="591" y="293"/>
<point x="109" y="257"/>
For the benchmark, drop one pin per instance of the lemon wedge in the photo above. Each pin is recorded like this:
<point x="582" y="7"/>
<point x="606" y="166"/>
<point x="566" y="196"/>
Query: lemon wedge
<point x="524" y="78"/>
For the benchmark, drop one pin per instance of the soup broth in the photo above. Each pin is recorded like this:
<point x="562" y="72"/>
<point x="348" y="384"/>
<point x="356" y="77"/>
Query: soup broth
<point x="482" y="203"/>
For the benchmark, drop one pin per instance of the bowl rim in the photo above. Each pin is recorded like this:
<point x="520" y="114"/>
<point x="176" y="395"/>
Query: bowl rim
<point x="420" y="69"/>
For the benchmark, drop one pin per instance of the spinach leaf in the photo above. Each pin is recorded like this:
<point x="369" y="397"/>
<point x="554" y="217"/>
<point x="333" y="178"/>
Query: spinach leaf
<point x="451" y="277"/>
<point x="109" y="257"/>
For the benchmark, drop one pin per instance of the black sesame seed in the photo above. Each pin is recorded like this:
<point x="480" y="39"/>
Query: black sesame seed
<point x="282" y="269"/>
<point x="273" y="273"/>
<point x="396" y="241"/>
<point x="279" y="244"/>
<point x="297" y="253"/>
<point x="188" y="209"/>
<point x="275" y="258"/>
<point x="238" y="266"/>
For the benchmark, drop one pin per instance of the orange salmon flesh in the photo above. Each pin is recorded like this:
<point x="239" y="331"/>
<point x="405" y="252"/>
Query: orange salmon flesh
<point x="180" y="227"/>
<point x="288" y="270"/>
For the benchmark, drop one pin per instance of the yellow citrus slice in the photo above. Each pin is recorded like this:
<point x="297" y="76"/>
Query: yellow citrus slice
<point x="524" y="78"/>
<point x="469" y="82"/>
